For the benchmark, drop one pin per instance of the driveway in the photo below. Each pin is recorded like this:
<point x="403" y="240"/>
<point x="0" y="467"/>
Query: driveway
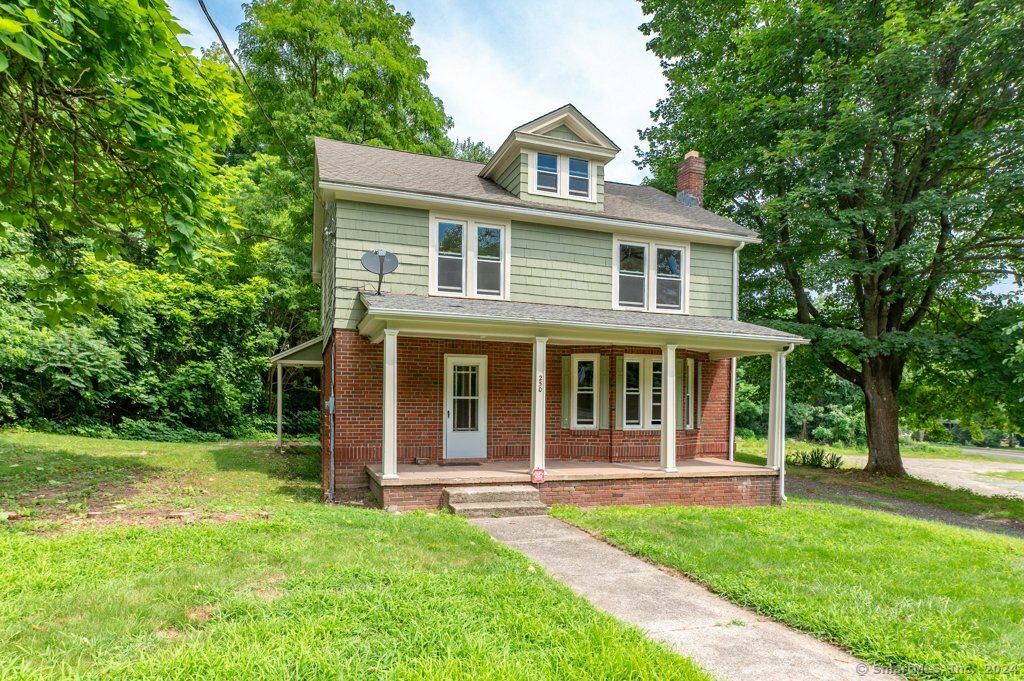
<point x="965" y="473"/>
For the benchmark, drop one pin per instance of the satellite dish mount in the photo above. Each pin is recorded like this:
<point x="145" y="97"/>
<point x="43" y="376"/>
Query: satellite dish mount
<point x="379" y="262"/>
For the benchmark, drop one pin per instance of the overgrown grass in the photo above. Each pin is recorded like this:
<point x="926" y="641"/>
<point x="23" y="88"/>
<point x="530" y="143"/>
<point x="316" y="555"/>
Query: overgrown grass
<point x="920" y="491"/>
<point x="1008" y="475"/>
<point x="312" y="592"/>
<point x="909" y="449"/>
<point x="913" y="595"/>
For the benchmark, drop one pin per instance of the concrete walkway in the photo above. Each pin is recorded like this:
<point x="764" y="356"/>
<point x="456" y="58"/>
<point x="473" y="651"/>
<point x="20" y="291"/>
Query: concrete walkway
<point x="732" y="643"/>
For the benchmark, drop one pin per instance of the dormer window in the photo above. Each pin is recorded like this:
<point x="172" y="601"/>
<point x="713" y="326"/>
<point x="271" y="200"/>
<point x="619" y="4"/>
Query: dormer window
<point x="547" y="173"/>
<point x="579" y="177"/>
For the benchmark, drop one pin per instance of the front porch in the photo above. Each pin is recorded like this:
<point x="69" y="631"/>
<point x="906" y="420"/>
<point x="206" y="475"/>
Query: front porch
<point x="703" y="481"/>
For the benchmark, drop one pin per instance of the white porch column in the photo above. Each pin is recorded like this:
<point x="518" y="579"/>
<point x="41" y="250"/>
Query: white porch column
<point x="777" y="418"/>
<point x="280" y="403"/>
<point x="389" y="465"/>
<point x="538" y="404"/>
<point x="668" y="409"/>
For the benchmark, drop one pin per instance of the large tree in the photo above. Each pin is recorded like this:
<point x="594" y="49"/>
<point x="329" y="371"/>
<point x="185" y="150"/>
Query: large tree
<point x="109" y="131"/>
<point x="877" y="149"/>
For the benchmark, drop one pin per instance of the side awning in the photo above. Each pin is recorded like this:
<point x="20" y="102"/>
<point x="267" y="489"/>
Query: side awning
<point x="307" y="354"/>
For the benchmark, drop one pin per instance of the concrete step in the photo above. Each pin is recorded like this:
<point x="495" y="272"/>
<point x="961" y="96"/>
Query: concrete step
<point x="498" y="509"/>
<point x="485" y="493"/>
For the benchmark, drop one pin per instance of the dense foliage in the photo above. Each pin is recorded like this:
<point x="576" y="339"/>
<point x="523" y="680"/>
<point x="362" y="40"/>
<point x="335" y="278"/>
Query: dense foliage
<point x="154" y="243"/>
<point x="876" y="148"/>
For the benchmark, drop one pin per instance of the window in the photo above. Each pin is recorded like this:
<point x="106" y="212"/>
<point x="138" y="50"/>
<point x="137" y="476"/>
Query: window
<point x="547" y="173"/>
<point x="689" y="393"/>
<point x="650" y="276"/>
<point x="669" y="293"/>
<point x="450" y="256"/>
<point x="469" y="258"/>
<point x="585" y="379"/>
<point x="632" y="275"/>
<point x="579" y="177"/>
<point x="641" y="392"/>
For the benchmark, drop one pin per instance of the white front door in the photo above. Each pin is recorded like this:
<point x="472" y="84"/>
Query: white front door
<point x="465" y="407"/>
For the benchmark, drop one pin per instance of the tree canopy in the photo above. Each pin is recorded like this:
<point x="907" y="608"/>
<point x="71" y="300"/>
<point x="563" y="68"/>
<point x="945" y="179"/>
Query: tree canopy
<point x="876" y="148"/>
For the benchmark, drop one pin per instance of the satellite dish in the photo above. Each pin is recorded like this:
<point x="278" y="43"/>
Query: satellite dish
<point x="379" y="262"/>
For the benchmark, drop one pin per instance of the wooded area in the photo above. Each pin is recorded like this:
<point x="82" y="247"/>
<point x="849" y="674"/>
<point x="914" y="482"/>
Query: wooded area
<point x="155" y="229"/>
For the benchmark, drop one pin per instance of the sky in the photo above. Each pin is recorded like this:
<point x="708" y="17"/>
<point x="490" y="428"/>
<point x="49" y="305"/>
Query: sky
<point x="497" y="64"/>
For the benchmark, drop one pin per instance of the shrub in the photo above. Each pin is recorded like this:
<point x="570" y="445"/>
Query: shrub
<point x="816" y="457"/>
<point x="139" y="429"/>
<point x="822" y="434"/>
<point x="745" y="433"/>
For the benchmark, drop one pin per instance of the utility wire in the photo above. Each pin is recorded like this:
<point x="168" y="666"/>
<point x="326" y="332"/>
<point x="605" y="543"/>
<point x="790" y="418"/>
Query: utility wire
<point x="227" y="50"/>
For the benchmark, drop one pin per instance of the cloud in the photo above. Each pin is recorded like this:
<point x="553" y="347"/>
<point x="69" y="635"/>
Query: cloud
<point x="496" y="68"/>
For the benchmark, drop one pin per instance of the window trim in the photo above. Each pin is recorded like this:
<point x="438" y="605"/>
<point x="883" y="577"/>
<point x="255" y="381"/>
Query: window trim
<point x="563" y="177"/>
<point x="651" y="274"/>
<point x="537" y="171"/>
<point x="469" y="257"/>
<point x="575" y="359"/>
<point x="646" y="392"/>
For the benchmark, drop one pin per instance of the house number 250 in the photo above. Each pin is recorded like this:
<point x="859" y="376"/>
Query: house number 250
<point x="540" y="383"/>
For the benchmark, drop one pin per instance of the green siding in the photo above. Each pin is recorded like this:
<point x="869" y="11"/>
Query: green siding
<point x="563" y="132"/>
<point x="362" y="227"/>
<point x="560" y="201"/>
<point x="561" y="265"/>
<point x="711" y="280"/>
<point x="511" y="177"/>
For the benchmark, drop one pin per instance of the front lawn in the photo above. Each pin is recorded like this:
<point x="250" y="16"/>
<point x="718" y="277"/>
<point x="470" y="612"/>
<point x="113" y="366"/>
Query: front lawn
<point x="956" y="499"/>
<point x="264" y="582"/>
<point x="917" y="596"/>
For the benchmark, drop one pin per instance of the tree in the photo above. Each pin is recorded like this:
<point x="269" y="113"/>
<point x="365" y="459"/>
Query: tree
<point x="344" y="69"/>
<point x="109" y="131"/>
<point x="468" y="150"/>
<point x="876" y="147"/>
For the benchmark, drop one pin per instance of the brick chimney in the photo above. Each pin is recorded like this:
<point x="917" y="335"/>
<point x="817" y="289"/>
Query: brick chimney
<point x="690" y="180"/>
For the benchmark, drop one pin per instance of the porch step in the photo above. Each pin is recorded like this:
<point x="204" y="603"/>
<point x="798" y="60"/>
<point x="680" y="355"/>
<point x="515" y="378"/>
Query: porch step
<point x="495" y="500"/>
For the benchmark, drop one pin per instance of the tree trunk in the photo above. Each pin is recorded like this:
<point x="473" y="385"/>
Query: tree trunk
<point x="880" y="380"/>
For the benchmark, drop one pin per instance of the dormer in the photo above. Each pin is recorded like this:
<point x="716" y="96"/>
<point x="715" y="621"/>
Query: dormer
<point x="557" y="159"/>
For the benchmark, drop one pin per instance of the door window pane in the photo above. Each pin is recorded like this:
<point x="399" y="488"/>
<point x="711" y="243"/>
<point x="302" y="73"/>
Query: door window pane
<point x="465" y="397"/>
<point x="488" y="261"/>
<point x="547" y="172"/>
<point x="450" y="256"/>
<point x="579" y="177"/>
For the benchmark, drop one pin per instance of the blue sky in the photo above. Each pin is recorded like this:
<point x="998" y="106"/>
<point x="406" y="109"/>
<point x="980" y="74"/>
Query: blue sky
<point x="496" y="65"/>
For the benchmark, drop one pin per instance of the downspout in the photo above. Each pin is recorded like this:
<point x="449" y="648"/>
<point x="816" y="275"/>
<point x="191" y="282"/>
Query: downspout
<point x="782" y="409"/>
<point x="732" y="360"/>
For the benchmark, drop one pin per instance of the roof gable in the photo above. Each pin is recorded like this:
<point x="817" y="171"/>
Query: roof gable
<point x="568" y="117"/>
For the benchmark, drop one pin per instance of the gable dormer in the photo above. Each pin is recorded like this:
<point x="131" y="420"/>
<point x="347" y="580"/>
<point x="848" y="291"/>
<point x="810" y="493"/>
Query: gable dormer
<point x="557" y="159"/>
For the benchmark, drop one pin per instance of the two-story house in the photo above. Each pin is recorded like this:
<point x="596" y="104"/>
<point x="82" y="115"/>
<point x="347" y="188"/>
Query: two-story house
<point x="543" y="325"/>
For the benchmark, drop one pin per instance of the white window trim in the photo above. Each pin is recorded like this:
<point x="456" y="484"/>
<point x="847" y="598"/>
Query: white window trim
<point x="563" y="177"/>
<point x="574" y="368"/>
<point x="651" y="275"/>
<point x="646" y="393"/>
<point x="469" y="242"/>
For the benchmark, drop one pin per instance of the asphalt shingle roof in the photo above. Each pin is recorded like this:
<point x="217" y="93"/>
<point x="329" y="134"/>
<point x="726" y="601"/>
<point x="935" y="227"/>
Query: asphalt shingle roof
<point x="539" y="313"/>
<point x="366" y="166"/>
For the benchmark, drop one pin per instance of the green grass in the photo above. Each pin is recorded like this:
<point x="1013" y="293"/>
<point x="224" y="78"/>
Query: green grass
<point x="1008" y="475"/>
<point x="897" y="592"/>
<point x="311" y="592"/>
<point x="906" y="488"/>
<point x="908" y="449"/>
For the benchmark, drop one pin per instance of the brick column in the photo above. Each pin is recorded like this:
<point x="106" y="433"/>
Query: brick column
<point x="668" y="408"/>
<point x="389" y="465"/>
<point x="538" y="405"/>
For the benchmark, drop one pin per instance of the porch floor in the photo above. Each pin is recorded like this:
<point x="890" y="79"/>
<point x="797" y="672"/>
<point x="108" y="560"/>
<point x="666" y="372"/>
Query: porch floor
<point x="560" y="471"/>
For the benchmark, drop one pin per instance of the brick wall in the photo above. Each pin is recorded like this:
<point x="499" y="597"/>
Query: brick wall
<point x="738" y="490"/>
<point x="358" y="374"/>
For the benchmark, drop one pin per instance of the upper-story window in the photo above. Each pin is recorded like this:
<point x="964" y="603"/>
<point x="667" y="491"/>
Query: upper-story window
<point x="468" y="257"/>
<point x="650" y="276"/>
<point x="579" y="177"/>
<point x="561" y="175"/>
<point x="547" y="173"/>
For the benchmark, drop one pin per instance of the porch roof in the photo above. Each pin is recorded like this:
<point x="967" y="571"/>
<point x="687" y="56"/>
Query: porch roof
<point x="515" y="321"/>
<point x="307" y="354"/>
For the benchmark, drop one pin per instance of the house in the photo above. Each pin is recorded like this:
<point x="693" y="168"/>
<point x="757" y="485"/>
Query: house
<point x="544" y="326"/>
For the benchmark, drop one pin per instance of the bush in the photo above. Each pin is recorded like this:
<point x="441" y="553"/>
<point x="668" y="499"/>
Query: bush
<point x="139" y="429"/>
<point x="822" y="434"/>
<point x="745" y="433"/>
<point x="816" y="457"/>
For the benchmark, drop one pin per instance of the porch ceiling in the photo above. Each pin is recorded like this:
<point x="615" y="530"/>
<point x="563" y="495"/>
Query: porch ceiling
<point x="448" y="317"/>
